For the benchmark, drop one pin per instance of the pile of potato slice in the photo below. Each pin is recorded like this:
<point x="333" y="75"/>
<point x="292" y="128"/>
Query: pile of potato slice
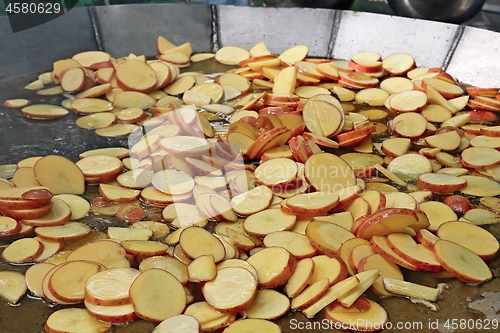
<point x="298" y="184"/>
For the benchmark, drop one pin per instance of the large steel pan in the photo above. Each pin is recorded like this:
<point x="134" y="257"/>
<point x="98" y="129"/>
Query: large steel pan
<point x="469" y="54"/>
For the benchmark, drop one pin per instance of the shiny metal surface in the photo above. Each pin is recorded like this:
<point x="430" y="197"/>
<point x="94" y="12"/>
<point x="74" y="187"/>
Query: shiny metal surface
<point x="452" y="11"/>
<point x="333" y="4"/>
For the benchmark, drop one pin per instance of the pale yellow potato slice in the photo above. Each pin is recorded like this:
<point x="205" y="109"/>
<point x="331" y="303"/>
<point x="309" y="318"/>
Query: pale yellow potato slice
<point x="35" y="85"/>
<point x="468" y="235"/>
<point x="219" y="108"/>
<point x="481" y="216"/>
<point x="476" y="157"/>
<point x="105" y="252"/>
<point x="77" y="272"/>
<point x="328" y="268"/>
<point x="35" y="275"/>
<point x="379" y="244"/>
<point x="52" y="91"/>
<point x="344" y="95"/>
<point x="135" y="75"/>
<point x="268" y="221"/>
<point x="49" y="248"/>
<point x="343" y="219"/>
<point x="144" y="248"/>
<point x="409" y="289"/>
<point x="435" y="97"/>
<point x="44" y="111"/>
<point x="24" y="177"/>
<point x="201" y="57"/>
<point x="73" y="79"/>
<point x="135" y="179"/>
<point x="231" y="55"/>
<point x="58" y="258"/>
<point x="268" y="304"/>
<point x="169" y="264"/>
<point x="118" y="193"/>
<point x="119" y="152"/>
<point x="369" y="315"/>
<point x="400" y="200"/>
<point x="180" y="323"/>
<point x="394" y="85"/>
<point x="358" y="253"/>
<point x="59" y="214"/>
<point x="323" y="118"/>
<point x="232" y="290"/>
<point x="117" y="130"/>
<point x="210" y="89"/>
<point x="237" y="81"/>
<point x="387" y="269"/>
<point x="371" y="96"/>
<point x="110" y="287"/>
<point x="446" y="89"/>
<point x="441" y="183"/>
<point x="409" y="125"/>
<point x="202" y="269"/>
<point x="464" y="264"/>
<point x="253" y="201"/>
<point x="409" y="166"/>
<point x="346" y="248"/>
<point x="100" y="165"/>
<point x="90" y="105"/>
<point x="416" y="254"/>
<point x="329" y="173"/>
<point x="205" y="244"/>
<point x="22" y="251"/>
<point x="204" y="313"/>
<point x="123" y="234"/>
<point x="68" y="231"/>
<point x="60" y="175"/>
<point x="481" y="186"/>
<point x="169" y="295"/>
<point x="274" y="266"/>
<point x="259" y="49"/>
<point x="285" y="81"/>
<point x="133" y="99"/>
<point x="327" y="237"/>
<point x="366" y="279"/>
<point x="459" y="102"/>
<point x="359" y="207"/>
<point x="88" y="58"/>
<point x="9" y="226"/>
<point x="457" y="121"/>
<point x="317" y="203"/>
<point x="294" y="54"/>
<point x="95" y="121"/>
<point x="295" y="243"/>
<point x="237" y="263"/>
<point x="185" y="145"/>
<point x="115" y="314"/>
<point x="436" y="113"/>
<point x="408" y="101"/>
<point x="331" y="295"/>
<point x="300" y="277"/>
<point x="276" y="172"/>
<point x="310" y="91"/>
<point x="310" y="295"/>
<point x="12" y="286"/>
<point x="75" y="320"/>
<point x="95" y="91"/>
<point x="395" y="147"/>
